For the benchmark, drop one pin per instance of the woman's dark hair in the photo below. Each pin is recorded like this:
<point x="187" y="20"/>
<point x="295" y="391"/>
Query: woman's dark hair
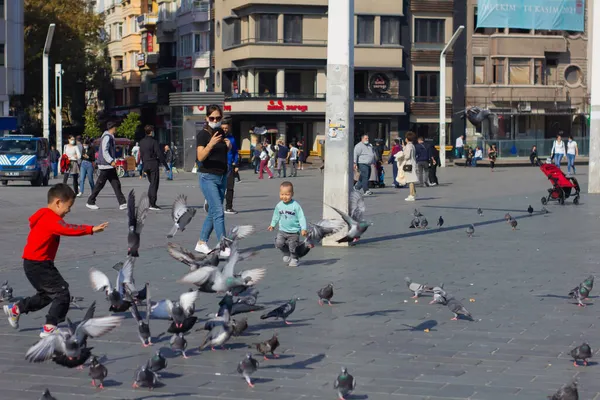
<point x="71" y="137"/>
<point x="212" y="108"/>
<point x="410" y="136"/>
<point x="571" y="137"/>
<point x="148" y="129"/>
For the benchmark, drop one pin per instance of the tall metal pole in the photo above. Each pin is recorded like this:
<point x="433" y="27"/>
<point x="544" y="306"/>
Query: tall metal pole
<point x="594" y="89"/>
<point x="58" y="72"/>
<point x="339" y="110"/>
<point x="443" y="94"/>
<point x="45" y="81"/>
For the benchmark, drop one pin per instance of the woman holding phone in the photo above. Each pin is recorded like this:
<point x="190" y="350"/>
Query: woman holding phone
<point x="211" y="153"/>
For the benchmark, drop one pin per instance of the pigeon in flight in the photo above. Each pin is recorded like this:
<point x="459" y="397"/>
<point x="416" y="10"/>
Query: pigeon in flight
<point x="145" y="377"/>
<point x="194" y="261"/>
<point x="179" y="310"/>
<point x="247" y="367"/>
<point x="136" y="217"/>
<point x="470" y="230"/>
<point x="440" y="222"/>
<point x="115" y="295"/>
<point x="480" y="212"/>
<point x="268" y="346"/>
<point x="582" y="352"/>
<point x="345" y="384"/>
<point x="97" y="372"/>
<point x="566" y="392"/>
<point x="357" y="226"/>
<point x="316" y="232"/>
<point x="582" y="291"/>
<point x="513" y="224"/>
<point x="325" y="293"/>
<point x="283" y="311"/>
<point x="530" y="209"/>
<point x="182" y="215"/>
<point x="143" y="324"/>
<point x="416" y="288"/>
<point x="234" y="236"/>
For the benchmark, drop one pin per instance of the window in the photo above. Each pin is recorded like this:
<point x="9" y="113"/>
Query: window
<point x="185" y="45"/>
<point x="1" y="9"/>
<point x="2" y="58"/>
<point x="538" y="71"/>
<point x="390" y="30"/>
<point x="300" y="83"/>
<point x="551" y="71"/>
<point x="266" y="28"/>
<point x="479" y="70"/>
<point x="133" y="61"/>
<point x="499" y="71"/>
<point x="201" y="42"/>
<point x="119" y="31"/>
<point x="196" y="85"/>
<point x="232" y="33"/>
<point x="237" y="32"/>
<point x="267" y="83"/>
<point x="427" y="86"/>
<point x="519" y="72"/>
<point x="429" y="30"/>
<point x="292" y="28"/>
<point x="366" y="29"/>
<point x="118" y="64"/>
<point x="133" y="25"/>
<point x="573" y="75"/>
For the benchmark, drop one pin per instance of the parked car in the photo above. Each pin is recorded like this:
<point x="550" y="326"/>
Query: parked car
<point x="25" y="158"/>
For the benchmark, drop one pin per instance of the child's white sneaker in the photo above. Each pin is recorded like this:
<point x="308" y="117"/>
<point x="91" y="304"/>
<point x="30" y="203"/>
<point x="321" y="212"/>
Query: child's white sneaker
<point x="202" y="247"/>
<point x="12" y="312"/>
<point x="47" y="330"/>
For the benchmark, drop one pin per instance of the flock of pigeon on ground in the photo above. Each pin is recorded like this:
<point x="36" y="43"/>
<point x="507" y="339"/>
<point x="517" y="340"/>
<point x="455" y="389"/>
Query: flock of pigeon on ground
<point x="209" y="273"/>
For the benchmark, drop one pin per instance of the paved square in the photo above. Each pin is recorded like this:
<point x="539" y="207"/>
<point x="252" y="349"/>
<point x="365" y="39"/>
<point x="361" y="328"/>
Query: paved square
<point x="518" y="347"/>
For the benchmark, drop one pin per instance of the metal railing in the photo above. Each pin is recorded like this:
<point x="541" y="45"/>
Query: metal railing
<point x="263" y="96"/>
<point x="525" y="104"/>
<point x="313" y="42"/>
<point x="429" y="99"/>
<point x="508" y="148"/>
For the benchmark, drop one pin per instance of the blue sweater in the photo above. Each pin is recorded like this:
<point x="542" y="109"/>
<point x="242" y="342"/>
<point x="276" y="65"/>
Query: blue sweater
<point x="290" y="217"/>
<point x="232" y="155"/>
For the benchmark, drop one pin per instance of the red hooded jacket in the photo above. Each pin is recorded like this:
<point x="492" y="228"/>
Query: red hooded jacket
<point x="46" y="228"/>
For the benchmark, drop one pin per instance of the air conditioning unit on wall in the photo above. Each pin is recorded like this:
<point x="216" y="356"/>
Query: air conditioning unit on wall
<point x="524" y="106"/>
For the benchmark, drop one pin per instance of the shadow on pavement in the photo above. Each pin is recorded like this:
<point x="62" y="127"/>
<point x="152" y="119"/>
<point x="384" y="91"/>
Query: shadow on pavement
<point x="382" y="313"/>
<point x="299" y="364"/>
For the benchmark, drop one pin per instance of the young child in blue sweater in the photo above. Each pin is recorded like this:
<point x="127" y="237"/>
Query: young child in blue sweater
<point x="290" y="217"/>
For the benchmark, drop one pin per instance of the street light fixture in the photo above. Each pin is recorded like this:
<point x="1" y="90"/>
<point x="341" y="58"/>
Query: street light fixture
<point x="45" y="81"/>
<point x="443" y="94"/>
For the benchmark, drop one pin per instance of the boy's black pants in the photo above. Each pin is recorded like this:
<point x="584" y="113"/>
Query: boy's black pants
<point x="51" y="289"/>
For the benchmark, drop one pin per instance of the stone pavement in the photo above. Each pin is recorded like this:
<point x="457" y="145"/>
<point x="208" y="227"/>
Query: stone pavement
<point x="517" y="347"/>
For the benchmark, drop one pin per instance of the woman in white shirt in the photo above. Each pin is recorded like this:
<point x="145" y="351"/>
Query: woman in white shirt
<point x="558" y="149"/>
<point x="264" y="161"/>
<point x="572" y="152"/>
<point x="71" y="150"/>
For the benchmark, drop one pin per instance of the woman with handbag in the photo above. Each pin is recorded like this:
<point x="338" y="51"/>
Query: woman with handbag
<point x="407" y="165"/>
<point x="72" y="152"/>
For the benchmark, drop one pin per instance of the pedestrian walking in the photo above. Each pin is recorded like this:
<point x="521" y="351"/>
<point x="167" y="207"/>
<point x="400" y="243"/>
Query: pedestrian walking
<point x="152" y="156"/>
<point x="282" y="155"/>
<point x="271" y="153"/>
<point x="169" y="159"/>
<point x="256" y="157"/>
<point x="211" y="153"/>
<point x="54" y="159"/>
<point x="135" y="152"/>
<point x="301" y="154"/>
<point x="459" y="148"/>
<point x="396" y="148"/>
<point x="423" y="156"/>
<point x="572" y="152"/>
<point x="533" y="155"/>
<point x="364" y="157"/>
<point x="88" y="158"/>
<point x="558" y="150"/>
<point x="264" y="161"/>
<point x="233" y="159"/>
<point x="407" y="165"/>
<point x="293" y="159"/>
<point x="73" y="154"/>
<point x="492" y="154"/>
<point x="106" y="165"/>
<point x="435" y="161"/>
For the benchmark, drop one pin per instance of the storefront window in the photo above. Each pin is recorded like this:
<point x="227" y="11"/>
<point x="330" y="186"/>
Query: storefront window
<point x="376" y="129"/>
<point x="267" y="83"/>
<point x="300" y="83"/>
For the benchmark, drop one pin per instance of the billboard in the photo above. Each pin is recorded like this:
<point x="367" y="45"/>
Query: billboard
<point x="560" y="15"/>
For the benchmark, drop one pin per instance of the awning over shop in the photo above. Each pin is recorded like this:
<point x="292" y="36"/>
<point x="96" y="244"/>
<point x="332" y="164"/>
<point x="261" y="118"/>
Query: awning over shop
<point x="164" y="77"/>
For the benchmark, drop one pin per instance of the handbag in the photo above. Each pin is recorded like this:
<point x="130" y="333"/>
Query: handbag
<point x="407" y="168"/>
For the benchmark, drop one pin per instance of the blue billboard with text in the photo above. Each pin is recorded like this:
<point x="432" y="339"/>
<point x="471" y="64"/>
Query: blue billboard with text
<point x="560" y="15"/>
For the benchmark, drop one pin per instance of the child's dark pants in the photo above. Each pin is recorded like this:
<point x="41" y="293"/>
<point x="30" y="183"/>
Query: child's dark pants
<point x="287" y="243"/>
<point x="51" y="289"/>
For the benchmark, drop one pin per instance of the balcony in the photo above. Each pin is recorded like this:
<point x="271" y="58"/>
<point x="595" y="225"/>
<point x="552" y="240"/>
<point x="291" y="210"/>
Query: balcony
<point x="526" y="45"/>
<point x="438" y="6"/>
<point x="510" y="94"/>
<point x="132" y="42"/>
<point x="131" y="7"/>
<point x="193" y="11"/>
<point x="428" y="53"/>
<point x="424" y="106"/>
<point x="152" y="58"/>
<point x="201" y="60"/>
<point x="147" y="20"/>
<point x="251" y="48"/>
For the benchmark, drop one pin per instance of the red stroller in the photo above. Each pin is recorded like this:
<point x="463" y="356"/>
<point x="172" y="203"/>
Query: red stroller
<point x="562" y="187"/>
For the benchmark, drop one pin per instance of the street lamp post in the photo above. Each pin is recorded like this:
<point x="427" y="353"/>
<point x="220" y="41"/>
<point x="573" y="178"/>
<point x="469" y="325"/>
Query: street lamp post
<point x="58" y="72"/>
<point x="45" y="81"/>
<point x="443" y="94"/>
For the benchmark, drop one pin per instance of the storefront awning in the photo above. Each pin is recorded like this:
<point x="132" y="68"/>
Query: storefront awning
<point x="164" y="78"/>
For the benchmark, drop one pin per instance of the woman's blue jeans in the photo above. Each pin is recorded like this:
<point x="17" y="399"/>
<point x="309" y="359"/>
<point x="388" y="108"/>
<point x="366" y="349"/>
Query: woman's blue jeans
<point x="557" y="159"/>
<point x="87" y="169"/>
<point x="213" y="188"/>
<point x="570" y="163"/>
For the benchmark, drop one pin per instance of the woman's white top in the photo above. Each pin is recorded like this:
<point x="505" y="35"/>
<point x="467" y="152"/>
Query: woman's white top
<point x="479" y="153"/>
<point x="264" y="155"/>
<point x="558" y="147"/>
<point x="572" y="147"/>
<point x="72" y="151"/>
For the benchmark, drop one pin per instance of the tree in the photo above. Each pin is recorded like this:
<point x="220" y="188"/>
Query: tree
<point x="129" y="126"/>
<point x="91" y="129"/>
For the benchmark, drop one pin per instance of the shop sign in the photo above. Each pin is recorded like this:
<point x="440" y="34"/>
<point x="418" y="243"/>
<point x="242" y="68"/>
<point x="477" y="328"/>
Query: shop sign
<point x="227" y="107"/>
<point x="149" y="42"/>
<point x="279" y="106"/>
<point x="184" y="63"/>
<point x="141" y="59"/>
<point x="379" y="83"/>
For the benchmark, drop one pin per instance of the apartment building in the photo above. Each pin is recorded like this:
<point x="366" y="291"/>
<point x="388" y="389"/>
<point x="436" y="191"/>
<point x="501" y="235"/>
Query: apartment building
<point x="147" y="60"/>
<point x="271" y="59"/>
<point x="12" y="81"/>
<point x="534" y="80"/>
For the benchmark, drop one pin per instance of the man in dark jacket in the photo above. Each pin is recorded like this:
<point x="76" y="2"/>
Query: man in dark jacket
<point x="233" y="165"/>
<point x="169" y="159"/>
<point x="423" y="156"/>
<point x="151" y="156"/>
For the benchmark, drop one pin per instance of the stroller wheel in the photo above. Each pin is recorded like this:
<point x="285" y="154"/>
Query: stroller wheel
<point x="544" y="201"/>
<point x="576" y="200"/>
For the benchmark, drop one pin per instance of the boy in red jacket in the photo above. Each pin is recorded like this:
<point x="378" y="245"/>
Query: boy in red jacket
<point x="46" y="228"/>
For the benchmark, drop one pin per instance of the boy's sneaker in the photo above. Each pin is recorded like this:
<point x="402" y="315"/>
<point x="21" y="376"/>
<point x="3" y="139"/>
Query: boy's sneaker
<point x="12" y="312"/>
<point x="368" y="193"/>
<point x="123" y="206"/>
<point x="294" y="262"/>
<point x="154" y="208"/>
<point x="91" y="206"/>
<point x="47" y="330"/>
<point x="202" y="247"/>
<point x="286" y="259"/>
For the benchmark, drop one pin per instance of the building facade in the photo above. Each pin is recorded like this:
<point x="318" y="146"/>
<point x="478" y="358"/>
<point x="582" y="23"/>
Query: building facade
<point x="271" y="58"/>
<point x="535" y="81"/>
<point x="12" y="80"/>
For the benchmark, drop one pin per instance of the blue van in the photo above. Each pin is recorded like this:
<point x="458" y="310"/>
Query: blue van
<point x="25" y="158"/>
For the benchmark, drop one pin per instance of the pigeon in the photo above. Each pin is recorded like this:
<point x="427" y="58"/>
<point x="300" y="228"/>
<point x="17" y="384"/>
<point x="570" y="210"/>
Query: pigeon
<point x="325" y="293"/>
<point x="187" y="324"/>
<point x="240" y="305"/>
<point x="247" y="367"/>
<point x="582" y="291"/>
<point x="424" y="223"/>
<point x="530" y="209"/>
<point x="217" y="336"/>
<point x="282" y="311"/>
<point x="417" y="213"/>
<point x="439" y="298"/>
<point x="222" y="318"/>
<point x="181" y="309"/>
<point x="68" y="342"/>
<point x="238" y="327"/>
<point x="357" y="226"/>
<point x="480" y="212"/>
<point x="143" y="324"/>
<point x="566" y="392"/>
<point x="6" y="292"/>
<point x="234" y="235"/>
<point x="470" y="230"/>
<point x="415" y="223"/>
<point x="47" y="396"/>
<point x="73" y="362"/>
<point x="316" y="232"/>
<point x="416" y="288"/>
<point x="345" y="384"/>
<point x="457" y="308"/>
<point x="115" y="295"/>
<point x="178" y="344"/>
<point x="158" y="362"/>
<point x="513" y="224"/>
<point x="582" y="352"/>
<point x="268" y="346"/>
<point x="182" y="215"/>
<point x="97" y="372"/>
<point x="211" y="279"/>
<point x="545" y="210"/>
<point x="507" y="217"/>
<point x="440" y="222"/>
<point x="136" y="218"/>
<point x="145" y="377"/>
<point x="194" y="261"/>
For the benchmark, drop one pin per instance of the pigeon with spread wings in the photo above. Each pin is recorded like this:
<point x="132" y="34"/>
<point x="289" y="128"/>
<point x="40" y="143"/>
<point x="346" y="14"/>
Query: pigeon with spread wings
<point x="182" y="215"/>
<point x="357" y="226"/>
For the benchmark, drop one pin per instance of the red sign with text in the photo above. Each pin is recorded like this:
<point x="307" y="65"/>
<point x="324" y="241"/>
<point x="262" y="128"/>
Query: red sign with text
<point x="149" y="42"/>
<point x="279" y="106"/>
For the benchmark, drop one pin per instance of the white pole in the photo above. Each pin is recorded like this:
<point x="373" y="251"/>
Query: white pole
<point x="594" y="89"/>
<point x="58" y="103"/>
<point x="443" y="94"/>
<point x="45" y="82"/>
<point x="339" y="121"/>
